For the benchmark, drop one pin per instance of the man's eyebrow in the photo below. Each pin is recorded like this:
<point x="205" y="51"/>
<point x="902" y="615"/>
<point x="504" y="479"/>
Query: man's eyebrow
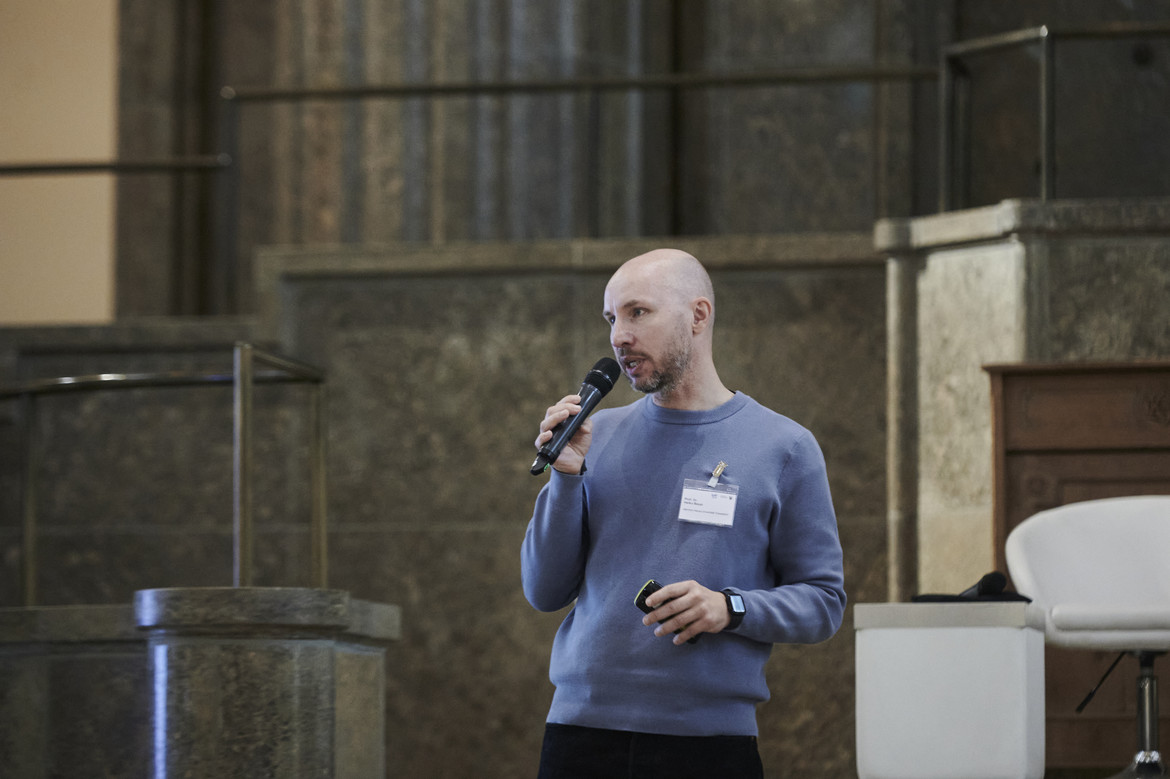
<point x="635" y="303"/>
<point x="606" y="312"/>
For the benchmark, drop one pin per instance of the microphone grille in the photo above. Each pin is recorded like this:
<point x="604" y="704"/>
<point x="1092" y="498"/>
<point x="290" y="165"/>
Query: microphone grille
<point x="603" y="374"/>
<point x="992" y="583"/>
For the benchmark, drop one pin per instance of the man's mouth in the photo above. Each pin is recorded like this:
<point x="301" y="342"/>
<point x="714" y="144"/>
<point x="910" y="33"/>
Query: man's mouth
<point x="630" y="364"/>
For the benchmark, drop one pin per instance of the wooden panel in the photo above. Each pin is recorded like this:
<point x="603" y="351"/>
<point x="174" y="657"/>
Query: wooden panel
<point x="1034" y="481"/>
<point x="1088" y="411"/>
<point x="1063" y="434"/>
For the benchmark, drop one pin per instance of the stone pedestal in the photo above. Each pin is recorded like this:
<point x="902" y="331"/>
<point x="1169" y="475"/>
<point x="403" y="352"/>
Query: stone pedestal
<point x="273" y="682"/>
<point x="277" y="682"/>
<point x="1057" y="281"/>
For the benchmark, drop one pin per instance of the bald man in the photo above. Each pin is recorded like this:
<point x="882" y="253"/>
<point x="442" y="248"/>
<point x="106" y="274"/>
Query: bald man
<point x="722" y="501"/>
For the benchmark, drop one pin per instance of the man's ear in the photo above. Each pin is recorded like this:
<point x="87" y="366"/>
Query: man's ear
<point x="702" y="312"/>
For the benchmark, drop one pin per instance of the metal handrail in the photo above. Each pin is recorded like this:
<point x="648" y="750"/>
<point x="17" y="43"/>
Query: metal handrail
<point x="242" y="379"/>
<point x="954" y="88"/>
<point x="208" y="162"/>
<point x="790" y="76"/>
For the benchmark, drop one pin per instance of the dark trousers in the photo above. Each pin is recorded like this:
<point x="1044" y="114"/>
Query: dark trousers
<point x="572" y="752"/>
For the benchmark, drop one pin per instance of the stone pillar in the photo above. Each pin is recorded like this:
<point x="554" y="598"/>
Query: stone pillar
<point x="901" y="429"/>
<point x="275" y="682"/>
<point x="1025" y="280"/>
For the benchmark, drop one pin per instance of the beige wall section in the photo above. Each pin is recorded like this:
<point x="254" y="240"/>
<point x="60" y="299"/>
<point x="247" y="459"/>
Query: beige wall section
<point x="58" y="82"/>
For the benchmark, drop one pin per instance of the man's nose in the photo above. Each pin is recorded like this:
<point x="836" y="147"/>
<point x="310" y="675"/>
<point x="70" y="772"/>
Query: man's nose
<point x="619" y="336"/>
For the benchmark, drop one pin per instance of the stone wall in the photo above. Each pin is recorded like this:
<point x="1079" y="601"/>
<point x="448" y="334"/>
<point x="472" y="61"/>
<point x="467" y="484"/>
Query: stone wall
<point x="758" y="159"/>
<point x="440" y="363"/>
<point x="713" y="160"/>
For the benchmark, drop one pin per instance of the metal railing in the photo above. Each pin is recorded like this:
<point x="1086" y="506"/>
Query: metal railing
<point x="196" y="164"/>
<point x="243" y="378"/>
<point x="954" y="99"/>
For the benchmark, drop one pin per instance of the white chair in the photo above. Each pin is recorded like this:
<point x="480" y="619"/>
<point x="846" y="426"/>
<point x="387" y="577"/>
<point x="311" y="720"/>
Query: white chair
<point x="1100" y="569"/>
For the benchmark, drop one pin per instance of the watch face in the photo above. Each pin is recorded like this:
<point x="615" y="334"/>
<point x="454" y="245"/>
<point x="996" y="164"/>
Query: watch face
<point x="736" y="603"/>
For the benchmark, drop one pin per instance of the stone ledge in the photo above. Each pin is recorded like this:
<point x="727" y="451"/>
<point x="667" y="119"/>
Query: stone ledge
<point x="68" y="624"/>
<point x="218" y="608"/>
<point x="201" y="609"/>
<point x="1074" y="217"/>
<point x="276" y="267"/>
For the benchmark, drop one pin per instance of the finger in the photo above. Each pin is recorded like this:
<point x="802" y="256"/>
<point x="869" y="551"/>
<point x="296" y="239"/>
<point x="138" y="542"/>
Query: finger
<point x="682" y="627"/>
<point x="679" y="621"/>
<point x="670" y="616"/>
<point x="670" y="592"/>
<point x="556" y="415"/>
<point x="568" y="401"/>
<point x="687" y="634"/>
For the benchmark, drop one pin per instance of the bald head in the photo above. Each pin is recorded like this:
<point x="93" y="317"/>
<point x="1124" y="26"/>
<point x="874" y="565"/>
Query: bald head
<point x="671" y="270"/>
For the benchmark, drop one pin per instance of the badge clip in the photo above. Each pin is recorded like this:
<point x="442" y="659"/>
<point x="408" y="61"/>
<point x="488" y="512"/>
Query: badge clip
<point x="715" y="474"/>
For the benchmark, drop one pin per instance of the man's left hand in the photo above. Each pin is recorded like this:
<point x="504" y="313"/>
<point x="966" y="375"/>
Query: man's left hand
<point x="692" y="609"/>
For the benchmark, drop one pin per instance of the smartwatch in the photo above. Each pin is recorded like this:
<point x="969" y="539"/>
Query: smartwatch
<point x="735" y="609"/>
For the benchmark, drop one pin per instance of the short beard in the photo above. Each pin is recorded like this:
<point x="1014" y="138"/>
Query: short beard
<point x="665" y="381"/>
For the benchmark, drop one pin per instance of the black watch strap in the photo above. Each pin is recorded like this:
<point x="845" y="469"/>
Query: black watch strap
<point x="735" y="608"/>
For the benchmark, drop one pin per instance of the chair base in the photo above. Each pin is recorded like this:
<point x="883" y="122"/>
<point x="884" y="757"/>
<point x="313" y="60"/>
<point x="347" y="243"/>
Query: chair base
<point x="1145" y="765"/>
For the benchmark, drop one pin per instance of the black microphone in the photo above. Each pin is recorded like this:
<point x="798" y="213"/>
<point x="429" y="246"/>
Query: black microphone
<point x="991" y="584"/>
<point x="596" y="384"/>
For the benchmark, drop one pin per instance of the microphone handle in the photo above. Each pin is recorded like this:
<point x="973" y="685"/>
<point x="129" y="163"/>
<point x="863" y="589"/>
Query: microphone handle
<point x="562" y="433"/>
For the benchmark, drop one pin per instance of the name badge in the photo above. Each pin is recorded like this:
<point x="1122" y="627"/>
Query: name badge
<point x="708" y="504"/>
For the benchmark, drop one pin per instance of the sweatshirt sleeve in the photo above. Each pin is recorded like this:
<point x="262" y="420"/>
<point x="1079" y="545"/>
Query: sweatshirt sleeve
<point x="808" y="603"/>
<point x="552" y="557"/>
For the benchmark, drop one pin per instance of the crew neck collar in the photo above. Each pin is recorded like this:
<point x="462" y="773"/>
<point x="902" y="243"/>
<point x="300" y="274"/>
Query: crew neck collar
<point x="675" y="416"/>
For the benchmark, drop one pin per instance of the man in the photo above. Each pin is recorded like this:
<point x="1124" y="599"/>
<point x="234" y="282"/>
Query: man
<point x="722" y="501"/>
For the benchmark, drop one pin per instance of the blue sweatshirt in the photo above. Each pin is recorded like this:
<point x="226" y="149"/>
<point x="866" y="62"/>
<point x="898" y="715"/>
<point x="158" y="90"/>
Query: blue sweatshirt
<point x="598" y="537"/>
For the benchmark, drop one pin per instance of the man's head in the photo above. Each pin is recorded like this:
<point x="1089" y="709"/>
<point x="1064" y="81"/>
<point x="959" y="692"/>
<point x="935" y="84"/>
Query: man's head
<point x="660" y="307"/>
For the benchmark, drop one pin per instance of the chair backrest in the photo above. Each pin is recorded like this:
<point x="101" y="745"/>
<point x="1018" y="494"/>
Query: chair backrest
<point x="1109" y="551"/>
